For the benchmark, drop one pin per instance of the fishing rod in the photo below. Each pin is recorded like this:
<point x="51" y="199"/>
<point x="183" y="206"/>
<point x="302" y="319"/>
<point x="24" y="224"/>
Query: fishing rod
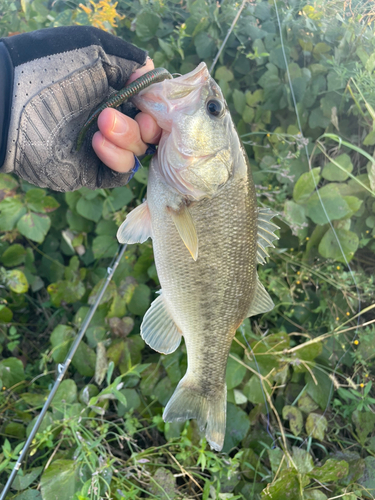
<point x="153" y="76"/>
<point x="62" y="368"/>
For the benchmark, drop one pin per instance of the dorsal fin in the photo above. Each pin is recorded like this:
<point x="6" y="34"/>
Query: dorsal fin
<point x="266" y="233"/>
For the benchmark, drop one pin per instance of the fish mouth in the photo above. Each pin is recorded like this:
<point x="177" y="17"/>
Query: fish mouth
<point x="161" y="100"/>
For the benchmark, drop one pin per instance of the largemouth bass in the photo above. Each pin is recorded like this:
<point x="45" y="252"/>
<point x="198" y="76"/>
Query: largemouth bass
<point x="208" y="235"/>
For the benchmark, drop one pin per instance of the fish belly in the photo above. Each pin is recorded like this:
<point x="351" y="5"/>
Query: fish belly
<point x="207" y="298"/>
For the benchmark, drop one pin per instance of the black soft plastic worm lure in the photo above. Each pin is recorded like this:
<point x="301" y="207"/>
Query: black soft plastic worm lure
<point x="153" y="76"/>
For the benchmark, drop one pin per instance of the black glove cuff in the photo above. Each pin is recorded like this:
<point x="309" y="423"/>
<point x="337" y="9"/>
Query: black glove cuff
<point x="6" y="86"/>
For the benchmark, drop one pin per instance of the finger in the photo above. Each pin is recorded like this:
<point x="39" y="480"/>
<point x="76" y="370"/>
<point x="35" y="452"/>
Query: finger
<point x="121" y="131"/>
<point x="113" y="156"/>
<point x="149" y="129"/>
<point x="141" y="71"/>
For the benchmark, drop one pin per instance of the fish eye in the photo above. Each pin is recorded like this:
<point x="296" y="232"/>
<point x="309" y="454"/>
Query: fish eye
<point x="215" y="107"/>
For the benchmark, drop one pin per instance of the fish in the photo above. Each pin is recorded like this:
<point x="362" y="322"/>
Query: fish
<point x="208" y="236"/>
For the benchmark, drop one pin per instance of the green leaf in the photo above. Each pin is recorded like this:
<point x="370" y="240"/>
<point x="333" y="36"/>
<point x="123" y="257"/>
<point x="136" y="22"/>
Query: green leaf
<point x="254" y="391"/>
<point x="248" y="114"/>
<point x="16" y="281"/>
<point x="303" y="460"/>
<point x="140" y="300"/>
<point x="316" y="425"/>
<point x="22" y="482"/>
<point x="320" y="388"/>
<point x="364" y="424"/>
<point x="61" y="339"/>
<point x="224" y="74"/>
<point x="12" y="209"/>
<point x="84" y="360"/>
<point x="6" y="314"/>
<point x="7" y="182"/>
<point x="90" y="209"/>
<point x="34" y="226"/>
<point x="119" y="198"/>
<point x="295" y="216"/>
<point x="332" y="470"/>
<point x="104" y="247"/>
<point x="13" y="255"/>
<point x="235" y="373"/>
<point x="317" y="119"/>
<point x="332" y="172"/>
<point x="147" y="24"/>
<point x="238" y="424"/>
<point x="108" y="294"/>
<point x="294" y="415"/>
<point x="368" y="478"/>
<point x="305" y="185"/>
<point x="239" y="101"/>
<point x="11" y="372"/>
<point x="133" y="401"/>
<point x="330" y="249"/>
<point x="307" y="404"/>
<point x="29" y="495"/>
<point x="66" y="394"/>
<point x="334" y="204"/>
<point x="62" y="480"/>
<point x="289" y="481"/>
<point x="369" y="140"/>
<point x="205" y="45"/>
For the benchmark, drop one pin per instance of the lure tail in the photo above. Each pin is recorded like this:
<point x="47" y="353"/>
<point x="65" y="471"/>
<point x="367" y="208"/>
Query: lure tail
<point x="190" y="401"/>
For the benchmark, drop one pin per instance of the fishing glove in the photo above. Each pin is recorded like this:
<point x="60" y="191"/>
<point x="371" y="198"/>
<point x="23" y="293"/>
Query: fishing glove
<point x="50" y="82"/>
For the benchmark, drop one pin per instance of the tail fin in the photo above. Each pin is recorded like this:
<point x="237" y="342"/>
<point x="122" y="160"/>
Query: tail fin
<point x="189" y="401"/>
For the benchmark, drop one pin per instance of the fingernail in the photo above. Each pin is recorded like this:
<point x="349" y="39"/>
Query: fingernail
<point x="119" y="125"/>
<point x="108" y="144"/>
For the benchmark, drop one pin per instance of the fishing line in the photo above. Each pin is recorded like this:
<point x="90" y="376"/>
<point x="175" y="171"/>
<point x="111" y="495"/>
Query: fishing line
<point x="62" y="368"/>
<point x="228" y="35"/>
<point x="322" y="204"/>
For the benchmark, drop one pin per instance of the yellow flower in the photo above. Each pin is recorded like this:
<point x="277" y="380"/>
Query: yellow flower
<point x="338" y="268"/>
<point x="298" y="282"/>
<point x="366" y="375"/>
<point x="102" y="14"/>
<point x="307" y="238"/>
<point x="348" y="313"/>
<point x="361" y="385"/>
<point x="298" y="272"/>
<point x="337" y="318"/>
<point x="356" y="342"/>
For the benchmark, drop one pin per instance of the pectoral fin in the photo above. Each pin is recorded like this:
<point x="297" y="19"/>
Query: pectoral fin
<point x="158" y="328"/>
<point x="186" y="229"/>
<point x="262" y="302"/>
<point x="266" y="234"/>
<point x="136" y="228"/>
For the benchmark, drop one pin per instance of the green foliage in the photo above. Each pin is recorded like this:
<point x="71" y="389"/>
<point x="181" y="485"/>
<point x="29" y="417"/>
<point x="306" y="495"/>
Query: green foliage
<point x="300" y="396"/>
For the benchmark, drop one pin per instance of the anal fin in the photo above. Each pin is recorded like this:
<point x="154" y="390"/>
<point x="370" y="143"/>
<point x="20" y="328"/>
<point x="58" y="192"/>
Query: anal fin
<point x="261" y="302"/>
<point x="158" y="328"/>
<point x="136" y="228"/>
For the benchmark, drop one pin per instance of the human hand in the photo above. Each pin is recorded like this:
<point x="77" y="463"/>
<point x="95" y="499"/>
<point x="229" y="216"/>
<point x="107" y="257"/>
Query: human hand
<point x="120" y="137"/>
<point x="50" y="82"/>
